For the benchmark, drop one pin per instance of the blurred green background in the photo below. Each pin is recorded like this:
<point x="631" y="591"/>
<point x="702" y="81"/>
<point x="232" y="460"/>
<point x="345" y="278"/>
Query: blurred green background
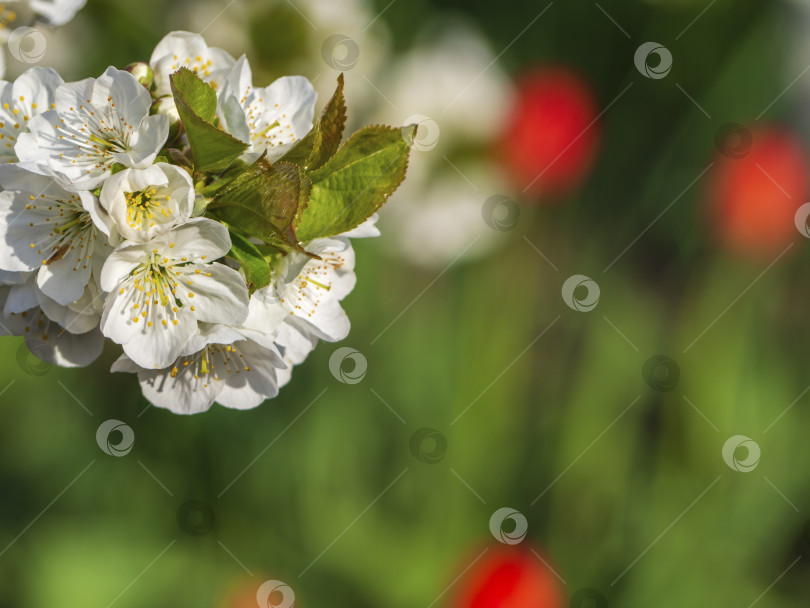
<point x="624" y="487"/>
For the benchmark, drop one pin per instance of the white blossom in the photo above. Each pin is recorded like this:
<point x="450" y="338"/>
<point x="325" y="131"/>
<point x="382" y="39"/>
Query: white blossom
<point x="143" y="203"/>
<point x="159" y="290"/>
<point x="187" y="50"/>
<point x="76" y="345"/>
<point x="97" y="122"/>
<point x="268" y="119"/>
<point x="220" y="365"/>
<point x="30" y="95"/>
<point x="51" y="230"/>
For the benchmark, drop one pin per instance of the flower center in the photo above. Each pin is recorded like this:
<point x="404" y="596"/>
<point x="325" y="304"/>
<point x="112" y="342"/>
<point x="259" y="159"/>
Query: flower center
<point x="142" y="206"/>
<point x="215" y="361"/>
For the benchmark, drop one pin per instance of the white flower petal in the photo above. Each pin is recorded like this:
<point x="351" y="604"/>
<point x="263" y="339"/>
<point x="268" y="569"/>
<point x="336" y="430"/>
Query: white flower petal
<point x="296" y="340"/>
<point x="57" y="12"/>
<point x="145" y="143"/>
<point x="218" y="293"/>
<point x="119" y="264"/>
<point x="52" y="343"/>
<point x="152" y="341"/>
<point x="201" y="238"/>
<point x="31" y="94"/>
<point x="20" y="298"/>
<point x="312" y="292"/>
<point x="256" y="381"/>
<point x="80" y="317"/>
<point x="365" y="230"/>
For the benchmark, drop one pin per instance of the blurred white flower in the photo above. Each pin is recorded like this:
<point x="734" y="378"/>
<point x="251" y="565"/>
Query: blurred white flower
<point x="57" y="12"/>
<point x="452" y="78"/>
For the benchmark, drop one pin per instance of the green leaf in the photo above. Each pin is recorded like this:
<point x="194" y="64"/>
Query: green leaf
<point x="356" y="181"/>
<point x="323" y="140"/>
<point x="250" y="259"/>
<point x="264" y="201"/>
<point x="196" y="101"/>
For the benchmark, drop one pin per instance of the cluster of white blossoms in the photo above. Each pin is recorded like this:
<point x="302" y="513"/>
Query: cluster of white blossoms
<point x="120" y="219"/>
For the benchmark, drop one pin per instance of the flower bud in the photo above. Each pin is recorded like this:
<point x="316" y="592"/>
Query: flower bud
<point x="165" y="105"/>
<point x="200" y="203"/>
<point x="142" y="72"/>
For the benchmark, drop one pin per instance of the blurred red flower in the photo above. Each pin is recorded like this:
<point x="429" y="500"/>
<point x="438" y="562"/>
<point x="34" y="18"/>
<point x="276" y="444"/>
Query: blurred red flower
<point x="509" y="577"/>
<point x="757" y="183"/>
<point x="549" y="140"/>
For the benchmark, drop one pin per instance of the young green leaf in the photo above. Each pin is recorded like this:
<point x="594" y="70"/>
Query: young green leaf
<point x="263" y="201"/>
<point x="253" y="264"/>
<point x="356" y="181"/>
<point x="323" y="140"/>
<point x="196" y="101"/>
